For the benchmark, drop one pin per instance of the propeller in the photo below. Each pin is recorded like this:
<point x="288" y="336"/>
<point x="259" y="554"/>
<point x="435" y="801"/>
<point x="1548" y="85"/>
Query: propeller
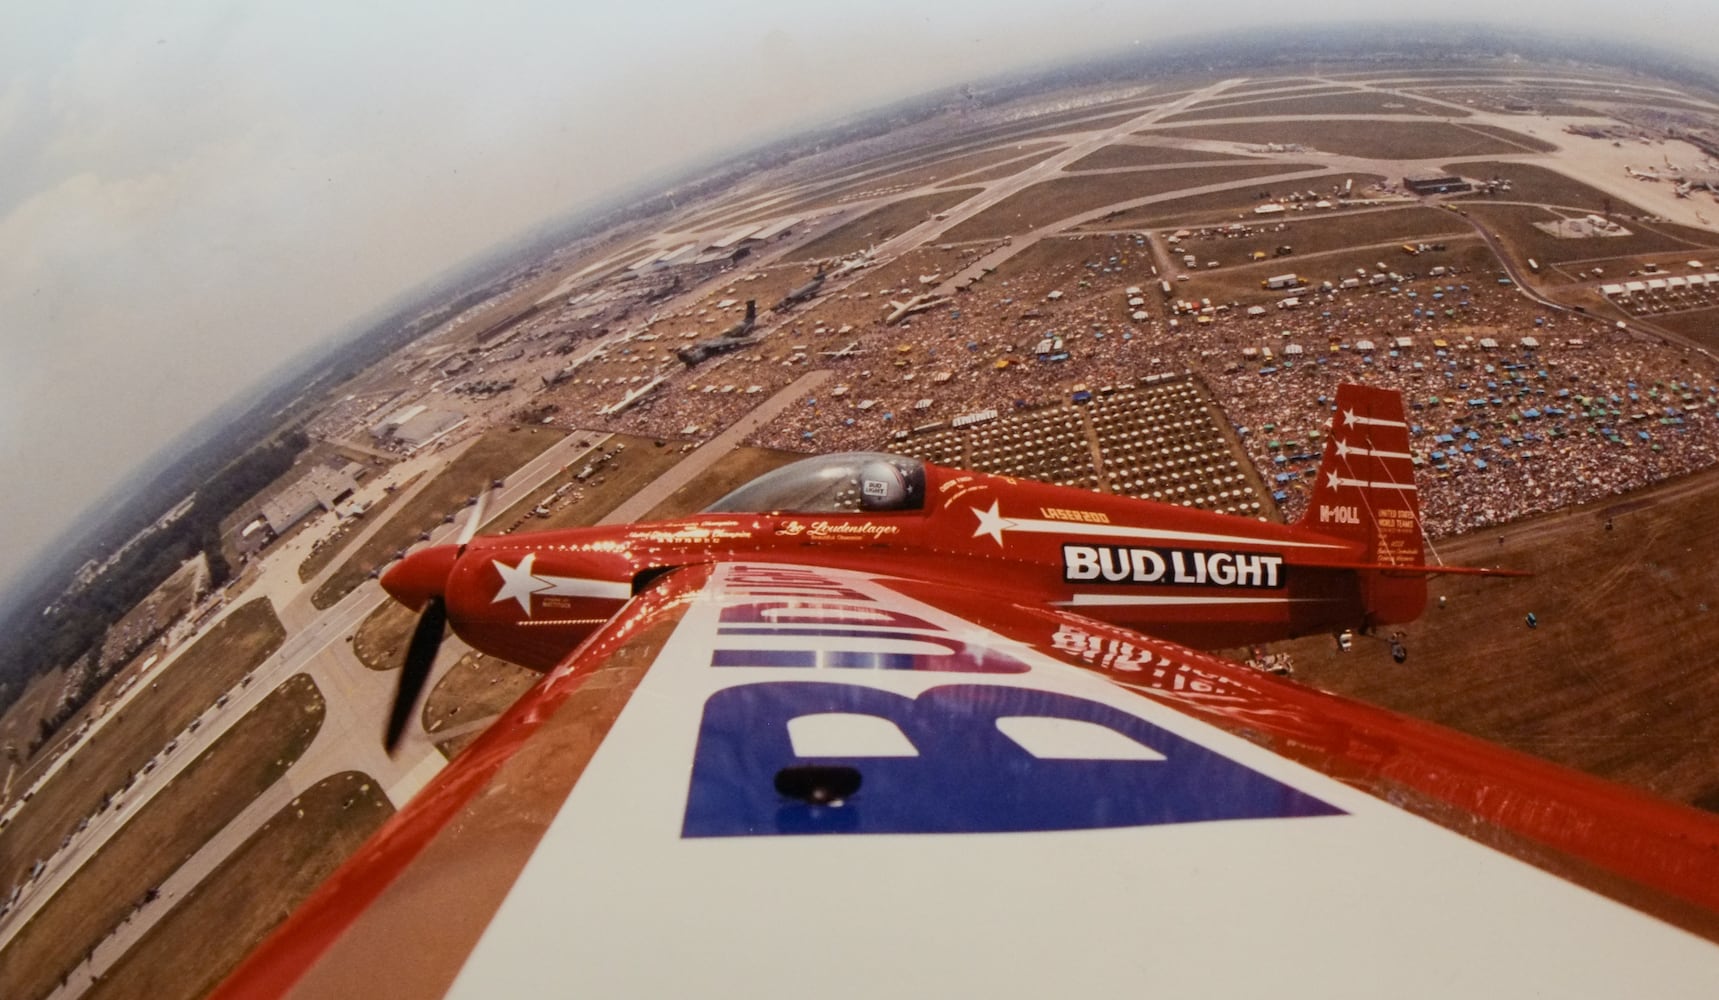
<point x="422" y="578"/>
<point x="474" y="521"/>
<point x="420" y="655"/>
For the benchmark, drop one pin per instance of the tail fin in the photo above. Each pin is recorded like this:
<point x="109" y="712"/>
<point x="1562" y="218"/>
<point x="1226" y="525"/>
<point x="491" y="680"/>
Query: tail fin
<point x="751" y="312"/>
<point x="1366" y="492"/>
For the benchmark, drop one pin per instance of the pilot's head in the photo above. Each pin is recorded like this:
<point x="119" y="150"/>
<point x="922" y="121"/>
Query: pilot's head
<point x="882" y="486"/>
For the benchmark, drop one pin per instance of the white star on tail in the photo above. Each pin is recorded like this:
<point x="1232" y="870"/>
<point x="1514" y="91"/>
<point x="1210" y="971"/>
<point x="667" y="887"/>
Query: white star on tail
<point x="991" y="523"/>
<point x="518" y="583"/>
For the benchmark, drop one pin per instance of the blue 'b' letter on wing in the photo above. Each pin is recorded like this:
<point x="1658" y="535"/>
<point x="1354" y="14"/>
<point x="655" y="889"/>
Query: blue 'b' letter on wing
<point x="962" y="758"/>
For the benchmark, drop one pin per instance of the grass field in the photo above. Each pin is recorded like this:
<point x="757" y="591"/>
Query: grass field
<point x="1617" y="679"/>
<point x="323" y="555"/>
<point x="735" y="470"/>
<point x="1372" y="139"/>
<point x="1053" y="200"/>
<point x="1313" y="103"/>
<point x="219" y="922"/>
<point x="1007" y="168"/>
<point x="1126" y="154"/>
<point x="477" y="687"/>
<point x="954" y="166"/>
<point x="881" y="223"/>
<point x="1514" y="226"/>
<point x="175" y="696"/>
<point x="20" y="723"/>
<point x="380" y="640"/>
<point x="1540" y="185"/>
<point x="1242" y="284"/>
<point x="194" y="807"/>
<point x="493" y="456"/>
<point x="1225" y="205"/>
<point x="1327" y="231"/>
<point x="1284" y="84"/>
<point x="1699" y="325"/>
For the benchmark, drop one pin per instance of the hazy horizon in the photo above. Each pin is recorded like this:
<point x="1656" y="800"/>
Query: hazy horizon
<point x="191" y="199"/>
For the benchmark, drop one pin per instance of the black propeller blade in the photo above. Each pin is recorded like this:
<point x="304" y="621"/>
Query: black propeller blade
<point x="420" y="655"/>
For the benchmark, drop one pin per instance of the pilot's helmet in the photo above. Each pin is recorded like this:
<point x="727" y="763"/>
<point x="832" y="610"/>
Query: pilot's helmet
<point x="882" y="486"/>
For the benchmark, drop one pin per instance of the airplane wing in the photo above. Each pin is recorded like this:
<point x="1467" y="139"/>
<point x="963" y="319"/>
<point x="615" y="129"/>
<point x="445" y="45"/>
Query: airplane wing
<point x="768" y="779"/>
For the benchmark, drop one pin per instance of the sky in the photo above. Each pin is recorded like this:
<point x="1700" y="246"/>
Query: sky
<point x="194" y="193"/>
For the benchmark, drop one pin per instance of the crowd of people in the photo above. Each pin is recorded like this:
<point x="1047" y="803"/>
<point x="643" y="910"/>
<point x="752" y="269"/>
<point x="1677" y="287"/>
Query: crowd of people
<point x="1518" y="408"/>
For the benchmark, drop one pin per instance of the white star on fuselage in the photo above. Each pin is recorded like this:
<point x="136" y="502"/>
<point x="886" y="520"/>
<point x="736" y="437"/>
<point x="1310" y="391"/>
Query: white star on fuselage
<point x="518" y="583"/>
<point x="991" y="523"/>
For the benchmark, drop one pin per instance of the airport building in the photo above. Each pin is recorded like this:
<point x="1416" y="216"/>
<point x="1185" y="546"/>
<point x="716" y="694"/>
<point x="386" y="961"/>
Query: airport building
<point x="415" y="426"/>
<point x="319" y="489"/>
<point x="1437" y="185"/>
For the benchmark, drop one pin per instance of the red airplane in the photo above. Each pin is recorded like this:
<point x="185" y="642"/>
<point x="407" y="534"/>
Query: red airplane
<point x="871" y="725"/>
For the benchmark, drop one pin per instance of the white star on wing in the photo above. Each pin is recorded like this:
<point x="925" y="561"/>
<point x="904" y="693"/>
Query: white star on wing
<point x="518" y="583"/>
<point x="991" y="523"/>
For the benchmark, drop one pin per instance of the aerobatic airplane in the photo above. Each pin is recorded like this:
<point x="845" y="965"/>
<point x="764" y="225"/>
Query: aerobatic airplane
<point x="870" y="726"/>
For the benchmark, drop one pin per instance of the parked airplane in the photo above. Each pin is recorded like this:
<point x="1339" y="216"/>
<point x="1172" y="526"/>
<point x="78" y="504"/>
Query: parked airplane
<point x="854" y="263"/>
<point x="745" y="325"/>
<point x="848" y="351"/>
<point x="919" y="303"/>
<point x="872" y="726"/>
<point x="802" y="293"/>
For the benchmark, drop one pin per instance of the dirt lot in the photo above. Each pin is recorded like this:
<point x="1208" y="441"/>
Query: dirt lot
<point x="1371" y="139"/>
<point x="1315" y="103"/>
<point x="157" y="840"/>
<point x="1540" y="185"/>
<point x="495" y="455"/>
<point x="1225" y="205"/>
<point x="1053" y="200"/>
<point x="1126" y="154"/>
<point x="1616" y="680"/>
<point x="880" y="224"/>
<point x="176" y="695"/>
<point x="255" y="889"/>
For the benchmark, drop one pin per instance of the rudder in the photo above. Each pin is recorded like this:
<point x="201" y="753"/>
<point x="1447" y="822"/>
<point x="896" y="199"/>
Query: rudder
<point x="1366" y="492"/>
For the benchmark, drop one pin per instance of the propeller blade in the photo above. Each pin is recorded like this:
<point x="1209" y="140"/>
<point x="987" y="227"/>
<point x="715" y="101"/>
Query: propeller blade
<point x="420" y="655"/>
<point x="474" y="520"/>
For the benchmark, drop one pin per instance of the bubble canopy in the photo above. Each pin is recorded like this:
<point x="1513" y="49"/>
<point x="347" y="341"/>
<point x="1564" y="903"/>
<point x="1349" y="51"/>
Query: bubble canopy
<point x="848" y="483"/>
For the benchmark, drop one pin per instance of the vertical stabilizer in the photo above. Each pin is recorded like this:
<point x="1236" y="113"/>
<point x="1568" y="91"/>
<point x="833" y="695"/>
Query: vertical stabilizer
<point x="1366" y="492"/>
